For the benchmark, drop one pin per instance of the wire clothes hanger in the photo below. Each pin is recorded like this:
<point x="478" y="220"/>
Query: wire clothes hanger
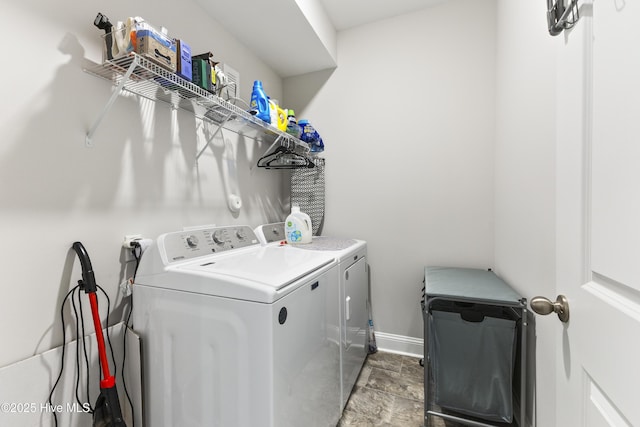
<point x="561" y="17"/>
<point x="284" y="158"/>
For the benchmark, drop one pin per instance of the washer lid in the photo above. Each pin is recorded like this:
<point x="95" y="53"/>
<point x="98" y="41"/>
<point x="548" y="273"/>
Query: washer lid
<point x="341" y="248"/>
<point x="257" y="274"/>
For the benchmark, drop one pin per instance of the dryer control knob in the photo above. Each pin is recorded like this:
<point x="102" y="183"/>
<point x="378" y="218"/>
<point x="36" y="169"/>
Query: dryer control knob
<point x="241" y="234"/>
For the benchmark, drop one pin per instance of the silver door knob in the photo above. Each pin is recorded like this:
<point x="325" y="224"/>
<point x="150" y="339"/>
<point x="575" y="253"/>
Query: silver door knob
<point x="544" y="306"/>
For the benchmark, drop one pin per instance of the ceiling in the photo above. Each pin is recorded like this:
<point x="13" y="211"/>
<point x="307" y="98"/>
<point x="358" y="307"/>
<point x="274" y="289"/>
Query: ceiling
<point x="310" y="27"/>
<point x="347" y="14"/>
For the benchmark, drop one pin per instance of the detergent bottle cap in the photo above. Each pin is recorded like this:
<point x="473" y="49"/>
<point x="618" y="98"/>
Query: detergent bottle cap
<point x="295" y="208"/>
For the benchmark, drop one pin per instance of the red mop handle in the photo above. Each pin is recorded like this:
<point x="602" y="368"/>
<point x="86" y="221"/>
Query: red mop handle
<point x="108" y="380"/>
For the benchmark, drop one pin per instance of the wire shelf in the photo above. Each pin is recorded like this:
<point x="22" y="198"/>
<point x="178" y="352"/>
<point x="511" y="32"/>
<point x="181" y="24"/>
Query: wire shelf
<point x="143" y="77"/>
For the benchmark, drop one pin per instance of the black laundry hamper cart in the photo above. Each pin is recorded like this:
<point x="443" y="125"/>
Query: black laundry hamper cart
<point x="475" y="348"/>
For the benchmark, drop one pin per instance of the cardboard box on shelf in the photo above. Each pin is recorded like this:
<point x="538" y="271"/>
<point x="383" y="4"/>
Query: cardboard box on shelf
<point x="158" y="48"/>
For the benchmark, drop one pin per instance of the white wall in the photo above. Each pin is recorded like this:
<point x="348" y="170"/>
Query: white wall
<point x="525" y="175"/>
<point x="408" y="123"/>
<point x="140" y="177"/>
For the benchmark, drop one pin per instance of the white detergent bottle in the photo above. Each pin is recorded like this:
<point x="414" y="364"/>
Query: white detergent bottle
<point x="297" y="227"/>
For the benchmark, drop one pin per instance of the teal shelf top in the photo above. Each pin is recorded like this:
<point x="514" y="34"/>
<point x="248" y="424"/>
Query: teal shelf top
<point x="469" y="284"/>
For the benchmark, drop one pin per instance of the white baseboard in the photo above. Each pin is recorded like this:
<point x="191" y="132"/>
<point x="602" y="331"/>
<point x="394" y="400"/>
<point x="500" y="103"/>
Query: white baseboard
<point x="400" y="344"/>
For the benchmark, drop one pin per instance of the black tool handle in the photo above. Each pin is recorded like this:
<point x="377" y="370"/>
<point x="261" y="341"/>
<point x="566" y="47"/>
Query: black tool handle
<point x="102" y="22"/>
<point x="87" y="270"/>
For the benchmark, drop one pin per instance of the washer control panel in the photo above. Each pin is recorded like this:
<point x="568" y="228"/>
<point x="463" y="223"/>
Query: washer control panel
<point x="183" y="245"/>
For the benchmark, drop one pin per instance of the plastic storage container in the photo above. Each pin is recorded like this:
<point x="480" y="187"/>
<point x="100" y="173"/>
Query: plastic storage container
<point x="297" y="227"/>
<point x="282" y="119"/>
<point x="260" y="103"/>
<point x="278" y="115"/>
<point x="311" y="136"/>
<point x="292" y="124"/>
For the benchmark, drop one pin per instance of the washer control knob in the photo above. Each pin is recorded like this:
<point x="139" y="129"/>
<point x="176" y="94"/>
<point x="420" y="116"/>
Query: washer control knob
<point x="192" y="241"/>
<point x="241" y="234"/>
<point x="218" y="237"/>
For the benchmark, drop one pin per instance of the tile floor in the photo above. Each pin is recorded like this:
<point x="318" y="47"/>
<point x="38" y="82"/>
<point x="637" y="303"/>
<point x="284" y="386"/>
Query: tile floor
<point x="389" y="392"/>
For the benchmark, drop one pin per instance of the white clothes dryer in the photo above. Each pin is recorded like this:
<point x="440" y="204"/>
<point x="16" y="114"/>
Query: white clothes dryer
<point x="353" y="284"/>
<point x="235" y="333"/>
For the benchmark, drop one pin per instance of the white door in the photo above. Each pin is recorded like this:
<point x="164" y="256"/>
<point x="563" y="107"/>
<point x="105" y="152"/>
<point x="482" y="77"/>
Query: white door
<point x="598" y="217"/>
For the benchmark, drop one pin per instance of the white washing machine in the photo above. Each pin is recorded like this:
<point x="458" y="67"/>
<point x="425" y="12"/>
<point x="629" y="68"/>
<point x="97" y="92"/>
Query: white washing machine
<point x="237" y="334"/>
<point x="353" y="284"/>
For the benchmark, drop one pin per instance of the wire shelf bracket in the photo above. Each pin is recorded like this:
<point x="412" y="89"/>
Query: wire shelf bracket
<point x="109" y="104"/>
<point x="561" y="17"/>
<point x="218" y="129"/>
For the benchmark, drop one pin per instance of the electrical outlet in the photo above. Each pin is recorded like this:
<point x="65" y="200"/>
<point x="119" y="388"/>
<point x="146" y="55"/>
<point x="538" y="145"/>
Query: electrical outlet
<point x="129" y="239"/>
<point x="127" y="244"/>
